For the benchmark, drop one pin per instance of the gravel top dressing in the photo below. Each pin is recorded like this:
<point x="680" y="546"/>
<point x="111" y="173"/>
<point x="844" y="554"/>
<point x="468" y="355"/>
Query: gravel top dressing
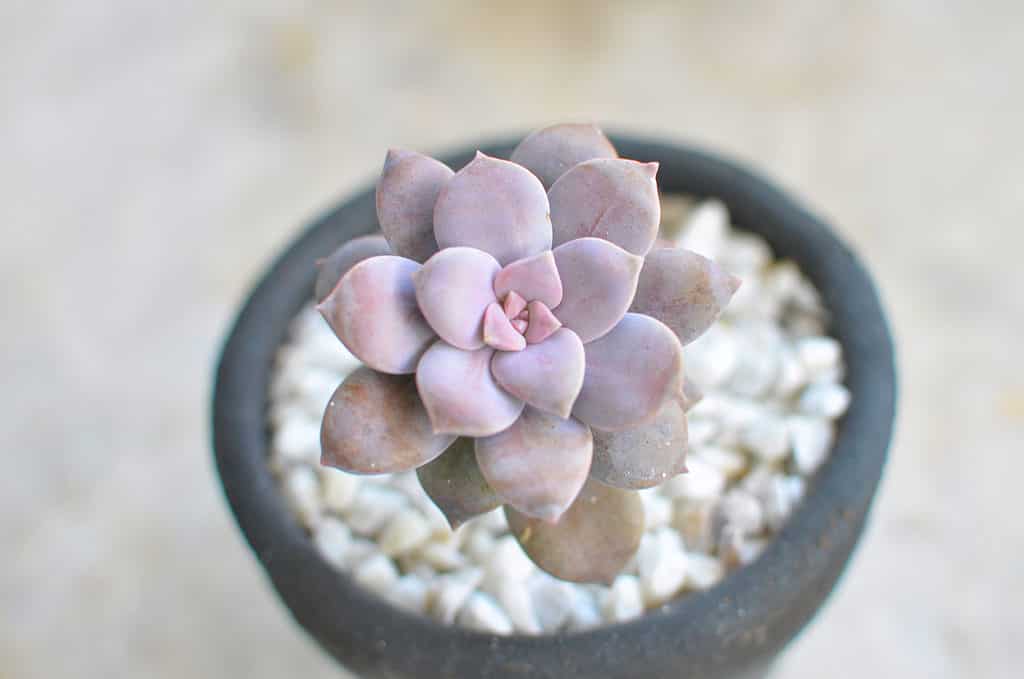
<point x="772" y="385"/>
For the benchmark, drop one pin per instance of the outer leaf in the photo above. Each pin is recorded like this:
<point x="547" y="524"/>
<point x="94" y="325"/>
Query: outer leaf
<point x="406" y="193"/>
<point x="683" y="290"/>
<point x="453" y="289"/>
<point x="645" y="456"/>
<point x="373" y="312"/>
<point x="599" y="279"/>
<point x="534" y="278"/>
<point x="548" y="375"/>
<point x="495" y="206"/>
<point x="608" y="198"/>
<point x="376" y="424"/>
<point x="593" y="540"/>
<point x="460" y="394"/>
<point x="344" y="258"/>
<point x="548" y="153"/>
<point x="630" y="374"/>
<point x="539" y="464"/>
<point x="454" y="482"/>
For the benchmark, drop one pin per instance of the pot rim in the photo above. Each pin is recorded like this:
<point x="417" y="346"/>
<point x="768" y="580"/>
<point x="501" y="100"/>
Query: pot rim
<point x="743" y="620"/>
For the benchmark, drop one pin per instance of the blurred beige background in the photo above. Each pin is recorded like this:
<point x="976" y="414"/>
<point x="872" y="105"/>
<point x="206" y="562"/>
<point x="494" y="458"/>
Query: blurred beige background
<point x="156" y="154"/>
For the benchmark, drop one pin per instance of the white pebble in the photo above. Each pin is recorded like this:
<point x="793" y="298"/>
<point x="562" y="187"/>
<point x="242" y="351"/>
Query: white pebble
<point x="411" y="593"/>
<point x="657" y="509"/>
<point x="702" y="571"/>
<point x="700" y="430"/>
<point x="339" y="489"/>
<point x="705" y="229"/>
<point x="325" y="351"/>
<point x="819" y="355"/>
<point x="745" y="255"/>
<point x="792" y="375"/>
<point x="552" y="602"/>
<point x="316" y="388"/>
<point x="701" y="482"/>
<point x="451" y="591"/>
<point x="767" y="437"/>
<point x="333" y="540"/>
<point x="694" y="521"/>
<point x="493" y="521"/>
<point x="736" y="549"/>
<point x="779" y="496"/>
<point x="712" y="357"/>
<point x="826" y="399"/>
<point x="812" y="440"/>
<point x="483" y="614"/>
<point x="741" y="511"/>
<point x="507" y="560"/>
<point x="302" y="490"/>
<point x="442" y="556"/>
<point x="406" y="531"/>
<point x="360" y="550"/>
<point x="725" y="460"/>
<point x="373" y="507"/>
<point x="298" y="440"/>
<point x="624" y="601"/>
<point x="377" y="574"/>
<point x="479" y="545"/>
<point x="661" y="565"/>
<point x="585" y="613"/>
<point x="515" y="599"/>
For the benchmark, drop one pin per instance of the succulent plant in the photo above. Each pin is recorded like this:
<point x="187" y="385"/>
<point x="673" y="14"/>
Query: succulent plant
<point x="522" y="342"/>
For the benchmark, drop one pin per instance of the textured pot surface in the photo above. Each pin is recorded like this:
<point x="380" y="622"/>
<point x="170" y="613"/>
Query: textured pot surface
<point x="731" y="630"/>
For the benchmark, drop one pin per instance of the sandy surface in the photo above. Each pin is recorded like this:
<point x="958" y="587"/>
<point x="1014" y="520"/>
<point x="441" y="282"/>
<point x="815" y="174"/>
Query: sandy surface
<point x="156" y="154"/>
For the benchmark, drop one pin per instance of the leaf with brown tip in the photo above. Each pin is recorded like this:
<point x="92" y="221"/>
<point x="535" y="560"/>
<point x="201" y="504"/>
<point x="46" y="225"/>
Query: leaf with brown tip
<point x="683" y="290"/>
<point x="454" y="482"/>
<point x="549" y="152"/>
<point x="460" y="393"/>
<point x="594" y="539"/>
<point x="598" y="279"/>
<point x="610" y="198"/>
<point x="331" y="269"/>
<point x="495" y="206"/>
<point x="373" y="311"/>
<point x="630" y="374"/>
<point x="548" y="375"/>
<point x="645" y="456"/>
<point x="406" y="193"/>
<point x="454" y="289"/>
<point x="376" y="424"/>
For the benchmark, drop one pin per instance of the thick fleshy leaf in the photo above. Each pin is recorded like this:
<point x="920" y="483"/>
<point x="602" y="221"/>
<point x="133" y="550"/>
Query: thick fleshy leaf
<point x="406" y="193"/>
<point x="683" y="290"/>
<point x="453" y="289"/>
<point x="495" y="206"/>
<point x="499" y="332"/>
<point x="376" y="424"/>
<point x="548" y="153"/>
<point x="534" y="278"/>
<point x="373" y="311"/>
<point x="608" y="198"/>
<point x="542" y="323"/>
<point x="599" y="279"/>
<point x="594" y="539"/>
<point x="548" y="375"/>
<point x="630" y="374"/>
<point x="454" y="482"/>
<point x="537" y="465"/>
<point x="460" y="393"/>
<point x="331" y="269"/>
<point x="513" y="304"/>
<point x="644" y="456"/>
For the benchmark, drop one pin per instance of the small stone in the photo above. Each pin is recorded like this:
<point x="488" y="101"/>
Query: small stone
<point x="712" y="357"/>
<point x="360" y="550"/>
<point x="479" y="545"/>
<point x="693" y="520"/>
<point x="779" y="497"/>
<point x="585" y="613"/>
<point x="701" y="430"/>
<point x="324" y="351"/>
<point x="339" y="489"/>
<point x="701" y="482"/>
<point x="377" y="574"/>
<point x="825" y="399"/>
<point x="805" y="325"/>
<point x="493" y="521"/>
<point x="406" y="531"/>
<point x="657" y="509"/>
<point x="741" y="511"/>
<point x="767" y="437"/>
<point x="281" y="413"/>
<point x="745" y="255"/>
<point x="442" y="556"/>
<point x="624" y="601"/>
<point x="729" y="462"/>
<point x="819" y="355"/>
<point x="298" y="440"/>
<point x="792" y="375"/>
<point x="702" y="571"/>
<point x="758" y="359"/>
<point x="812" y="440"/>
<point x="302" y="490"/>
<point x="706" y="229"/>
<point x="451" y="591"/>
<point x="316" y="388"/>
<point x="736" y="549"/>
<point x="515" y="599"/>
<point x="373" y="507"/>
<point x="333" y="539"/>
<point x="410" y="592"/>
<point x="482" y="613"/>
<point x="507" y="560"/>
<point x="552" y="602"/>
<point x="661" y="565"/>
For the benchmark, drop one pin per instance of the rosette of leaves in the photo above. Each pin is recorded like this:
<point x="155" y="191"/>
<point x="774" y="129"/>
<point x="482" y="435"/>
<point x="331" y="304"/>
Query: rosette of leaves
<point x="522" y="342"/>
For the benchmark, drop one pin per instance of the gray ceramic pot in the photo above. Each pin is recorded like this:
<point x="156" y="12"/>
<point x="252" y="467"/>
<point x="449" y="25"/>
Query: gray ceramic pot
<point x="732" y="630"/>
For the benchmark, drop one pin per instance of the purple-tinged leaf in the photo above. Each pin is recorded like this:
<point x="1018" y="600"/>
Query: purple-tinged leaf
<point x="460" y="394"/>
<point x="453" y="289"/>
<point x="331" y="269"/>
<point x="534" y="278"/>
<point x="594" y="539"/>
<point x="644" y="456"/>
<point x="549" y="152"/>
<point x="373" y="312"/>
<point x="537" y="465"/>
<point x="608" y="198"/>
<point x="376" y="424"/>
<point x="406" y="193"/>
<point x="630" y="374"/>
<point x="495" y="206"/>
<point x="683" y="290"/>
<point x="513" y="304"/>
<point x="548" y="375"/>
<point x="599" y="279"/>
<point x="542" y="323"/>
<point x="499" y="332"/>
<point x="454" y="482"/>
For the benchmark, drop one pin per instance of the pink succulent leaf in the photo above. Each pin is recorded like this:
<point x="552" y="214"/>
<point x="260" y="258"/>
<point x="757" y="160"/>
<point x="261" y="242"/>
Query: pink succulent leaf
<point x="513" y="303"/>
<point x="537" y="465"/>
<point x="495" y="206"/>
<point x="548" y="153"/>
<point x="542" y="323"/>
<point x="460" y="394"/>
<point x="406" y="193"/>
<point x="376" y="424"/>
<point x="533" y="278"/>
<point x="520" y="325"/>
<point x="599" y="279"/>
<point x="331" y="269"/>
<point x="630" y="374"/>
<point x="645" y="456"/>
<point x="454" y="482"/>
<point x="548" y="375"/>
<point x="608" y="198"/>
<point x="373" y="311"/>
<point x="592" y="542"/>
<point x="454" y="289"/>
<point x="499" y="332"/>
<point x="683" y="290"/>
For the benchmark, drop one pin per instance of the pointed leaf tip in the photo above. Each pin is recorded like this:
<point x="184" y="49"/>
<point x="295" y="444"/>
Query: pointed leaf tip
<point x="551" y="151"/>
<point x="330" y="269"/>
<point x="406" y="193"/>
<point x="454" y="482"/>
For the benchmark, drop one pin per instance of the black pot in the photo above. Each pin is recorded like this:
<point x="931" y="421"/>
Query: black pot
<point x="734" y="629"/>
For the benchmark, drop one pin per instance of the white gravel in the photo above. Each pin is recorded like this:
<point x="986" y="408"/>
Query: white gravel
<point x="773" y="389"/>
